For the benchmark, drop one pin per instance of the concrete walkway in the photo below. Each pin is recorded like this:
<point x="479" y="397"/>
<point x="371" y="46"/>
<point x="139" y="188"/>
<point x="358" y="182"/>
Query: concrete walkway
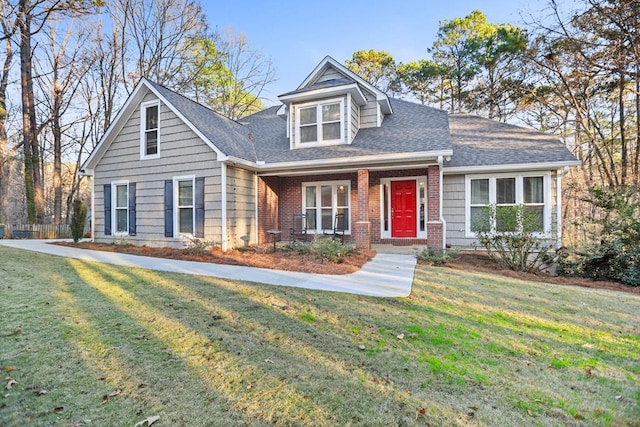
<point x="387" y="275"/>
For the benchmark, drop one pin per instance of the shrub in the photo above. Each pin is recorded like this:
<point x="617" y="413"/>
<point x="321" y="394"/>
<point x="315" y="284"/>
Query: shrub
<point x="325" y="249"/>
<point x="78" y="220"/>
<point x="508" y="235"/>
<point x="436" y="257"/>
<point x="617" y="255"/>
<point x="196" y="246"/>
<point x="329" y="249"/>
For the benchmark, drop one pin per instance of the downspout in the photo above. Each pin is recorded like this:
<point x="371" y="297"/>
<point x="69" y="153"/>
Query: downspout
<point x="223" y="201"/>
<point x="559" y="176"/>
<point x="93" y="210"/>
<point x="89" y="173"/>
<point x="444" y="223"/>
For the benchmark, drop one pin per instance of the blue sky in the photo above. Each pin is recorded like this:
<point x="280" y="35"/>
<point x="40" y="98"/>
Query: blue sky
<point x="298" y="34"/>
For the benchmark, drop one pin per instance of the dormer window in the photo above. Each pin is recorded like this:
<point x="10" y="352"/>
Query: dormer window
<point x="150" y="130"/>
<point x="320" y="123"/>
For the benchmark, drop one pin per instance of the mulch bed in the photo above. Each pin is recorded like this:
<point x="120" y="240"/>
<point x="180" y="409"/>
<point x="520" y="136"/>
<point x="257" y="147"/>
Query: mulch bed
<point x="474" y="261"/>
<point x="261" y="257"/>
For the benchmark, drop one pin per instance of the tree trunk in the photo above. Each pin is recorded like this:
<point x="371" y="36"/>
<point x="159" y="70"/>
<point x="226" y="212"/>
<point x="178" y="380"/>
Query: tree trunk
<point x="4" y="142"/>
<point x="32" y="176"/>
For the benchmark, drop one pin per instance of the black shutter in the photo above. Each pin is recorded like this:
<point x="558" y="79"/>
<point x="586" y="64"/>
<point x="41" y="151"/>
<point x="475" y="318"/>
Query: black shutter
<point x="199" y="199"/>
<point x="107" y="209"/>
<point x="168" y="208"/>
<point x="132" y="209"/>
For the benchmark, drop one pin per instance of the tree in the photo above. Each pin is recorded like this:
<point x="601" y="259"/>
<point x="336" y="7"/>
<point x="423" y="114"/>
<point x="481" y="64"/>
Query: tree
<point x="8" y="24"/>
<point x="63" y="63"/>
<point x="455" y="49"/>
<point x="422" y="79"/>
<point x="376" y="67"/>
<point x="158" y="39"/>
<point x="234" y="75"/>
<point x="500" y="52"/>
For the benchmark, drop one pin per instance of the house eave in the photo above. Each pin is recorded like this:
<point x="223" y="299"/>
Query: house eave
<point x="311" y="95"/>
<point x="347" y="164"/>
<point x="546" y="166"/>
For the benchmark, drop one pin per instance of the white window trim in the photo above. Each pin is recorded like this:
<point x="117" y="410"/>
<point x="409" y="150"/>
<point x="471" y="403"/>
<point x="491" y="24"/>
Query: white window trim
<point x="318" y="105"/>
<point x="143" y="121"/>
<point x="547" y="233"/>
<point x="386" y="234"/>
<point x="318" y="207"/>
<point x="114" y="208"/>
<point x="176" y="199"/>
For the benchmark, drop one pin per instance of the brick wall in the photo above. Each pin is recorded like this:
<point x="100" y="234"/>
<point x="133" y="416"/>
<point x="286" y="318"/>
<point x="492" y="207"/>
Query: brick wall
<point x="434" y="225"/>
<point x="290" y="200"/>
<point x="268" y="206"/>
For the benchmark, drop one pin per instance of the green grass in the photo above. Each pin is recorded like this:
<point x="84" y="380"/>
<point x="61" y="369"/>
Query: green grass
<point x="99" y="345"/>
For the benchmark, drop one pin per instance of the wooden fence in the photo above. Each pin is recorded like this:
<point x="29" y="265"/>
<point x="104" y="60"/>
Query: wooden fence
<point x="37" y="231"/>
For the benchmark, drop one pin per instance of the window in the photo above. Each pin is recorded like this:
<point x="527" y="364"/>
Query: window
<point x="506" y="193"/>
<point x="185" y="212"/>
<point x="320" y="123"/>
<point x="120" y="203"/>
<point x="322" y="201"/>
<point x="150" y="130"/>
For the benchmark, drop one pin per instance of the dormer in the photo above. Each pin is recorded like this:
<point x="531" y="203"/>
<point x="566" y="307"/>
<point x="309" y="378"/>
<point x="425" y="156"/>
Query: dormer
<point x="330" y="106"/>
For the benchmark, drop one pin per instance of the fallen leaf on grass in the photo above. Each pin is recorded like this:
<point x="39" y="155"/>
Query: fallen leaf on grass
<point x="618" y="397"/>
<point x="400" y="336"/>
<point x="147" y="421"/>
<point x="362" y="347"/>
<point x="10" y="383"/>
<point x="577" y="416"/>
<point x="588" y="372"/>
<point x="58" y="409"/>
<point x="42" y="392"/>
<point x="422" y="411"/>
<point x="470" y="415"/>
<point x="529" y="412"/>
<point x="106" y="397"/>
<point x="8" y="368"/>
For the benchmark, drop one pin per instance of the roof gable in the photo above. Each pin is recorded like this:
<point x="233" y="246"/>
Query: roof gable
<point x="224" y="136"/>
<point x="330" y="74"/>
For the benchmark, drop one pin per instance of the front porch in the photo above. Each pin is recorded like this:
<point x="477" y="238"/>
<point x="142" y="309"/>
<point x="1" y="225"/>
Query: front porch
<point x="399" y="207"/>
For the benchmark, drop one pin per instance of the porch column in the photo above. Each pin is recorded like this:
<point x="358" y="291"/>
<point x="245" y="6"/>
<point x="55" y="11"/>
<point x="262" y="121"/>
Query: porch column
<point x="434" y="224"/>
<point x="361" y="226"/>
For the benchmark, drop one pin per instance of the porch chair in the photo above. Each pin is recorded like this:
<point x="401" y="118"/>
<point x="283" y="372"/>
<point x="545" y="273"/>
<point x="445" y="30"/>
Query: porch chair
<point x="339" y="226"/>
<point x="299" y="229"/>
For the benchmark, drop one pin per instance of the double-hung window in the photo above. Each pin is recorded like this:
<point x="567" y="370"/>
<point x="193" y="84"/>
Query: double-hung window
<point x="185" y="208"/>
<point x="322" y="201"/>
<point x="320" y="122"/>
<point x="505" y="193"/>
<point x="120" y="203"/>
<point x="150" y="130"/>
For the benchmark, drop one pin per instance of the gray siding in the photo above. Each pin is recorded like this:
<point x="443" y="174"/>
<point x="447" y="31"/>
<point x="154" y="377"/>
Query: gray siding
<point x="182" y="153"/>
<point x="241" y="206"/>
<point x="369" y="112"/>
<point x="355" y="119"/>
<point x="330" y="74"/>
<point x="453" y="210"/>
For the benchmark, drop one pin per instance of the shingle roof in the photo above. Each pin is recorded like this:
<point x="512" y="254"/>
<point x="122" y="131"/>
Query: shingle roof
<point x="228" y="136"/>
<point x="411" y="128"/>
<point x="478" y="141"/>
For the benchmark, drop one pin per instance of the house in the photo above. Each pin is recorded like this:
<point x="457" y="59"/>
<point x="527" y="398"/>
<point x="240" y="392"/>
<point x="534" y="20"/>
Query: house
<point x="400" y="172"/>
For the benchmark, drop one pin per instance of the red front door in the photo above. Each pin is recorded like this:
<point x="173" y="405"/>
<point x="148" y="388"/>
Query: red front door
<point x="403" y="208"/>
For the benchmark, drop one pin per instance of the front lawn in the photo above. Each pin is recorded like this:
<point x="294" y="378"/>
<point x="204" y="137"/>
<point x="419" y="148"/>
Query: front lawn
<point x="84" y="343"/>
